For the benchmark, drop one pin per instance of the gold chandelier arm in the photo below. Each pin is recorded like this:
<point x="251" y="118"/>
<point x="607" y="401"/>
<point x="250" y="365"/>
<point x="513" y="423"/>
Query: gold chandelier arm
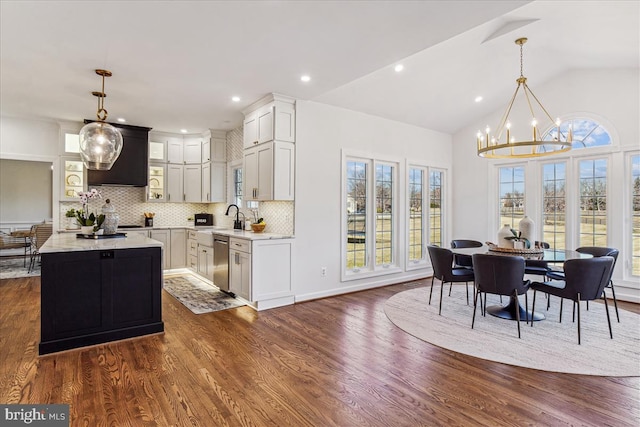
<point x="539" y="103"/>
<point x="505" y="116"/>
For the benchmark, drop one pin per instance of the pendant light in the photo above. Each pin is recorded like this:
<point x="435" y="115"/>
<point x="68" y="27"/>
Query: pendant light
<point x="100" y="143"/>
<point x="524" y="140"/>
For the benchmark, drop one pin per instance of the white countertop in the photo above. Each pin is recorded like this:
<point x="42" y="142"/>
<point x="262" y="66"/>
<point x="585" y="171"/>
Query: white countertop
<point x="243" y="234"/>
<point x="68" y="242"/>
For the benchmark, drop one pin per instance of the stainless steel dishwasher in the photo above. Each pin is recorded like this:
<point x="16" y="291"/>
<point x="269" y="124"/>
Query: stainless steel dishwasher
<point x="221" y="261"/>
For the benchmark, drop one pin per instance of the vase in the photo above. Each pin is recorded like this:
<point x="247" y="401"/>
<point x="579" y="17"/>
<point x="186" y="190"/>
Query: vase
<point x="505" y="231"/>
<point x="72" y="223"/>
<point x="528" y="229"/>
<point x="111" y="218"/>
<point x="518" y="245"/>
<point x="86" y="229"/>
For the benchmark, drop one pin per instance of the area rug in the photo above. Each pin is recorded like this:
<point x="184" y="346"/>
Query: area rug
<point x="197" y="295"/>
<point x="548" y="345"/>
<point x="11" y="268"/>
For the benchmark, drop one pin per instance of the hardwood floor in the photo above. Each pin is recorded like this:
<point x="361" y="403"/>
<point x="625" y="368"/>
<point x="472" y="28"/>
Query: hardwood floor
<point x="331" y="362"/>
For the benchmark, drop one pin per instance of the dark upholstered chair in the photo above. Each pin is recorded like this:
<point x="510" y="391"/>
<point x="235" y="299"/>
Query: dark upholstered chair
<point x="460" y="260"/>
<point x="537" y="267"/>
<point x="499" y="275"/>
<point x="443" y="270"/>
<point x="585" y="280"/>
<point x="596" y="251"/>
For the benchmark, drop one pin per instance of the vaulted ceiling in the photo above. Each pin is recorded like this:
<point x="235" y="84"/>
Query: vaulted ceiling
<point x="177" y="64"/>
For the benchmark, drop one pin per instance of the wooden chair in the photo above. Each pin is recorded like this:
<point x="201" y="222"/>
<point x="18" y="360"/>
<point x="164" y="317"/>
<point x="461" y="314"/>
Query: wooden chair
<point x="41" y="232"/>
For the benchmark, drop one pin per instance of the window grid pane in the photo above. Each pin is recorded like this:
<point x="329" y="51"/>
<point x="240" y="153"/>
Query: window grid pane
<point x="593" y="203"/>
<point x="554" y="203"/>
<point x="356" y="181"/>
<point x="237" y="186"/>
<point x="416" y="194"/>
<point x="635" y="215"/>
<point x="435" y="208"/>
<point x="384" y="214"/>
<point x="511" y="195"/>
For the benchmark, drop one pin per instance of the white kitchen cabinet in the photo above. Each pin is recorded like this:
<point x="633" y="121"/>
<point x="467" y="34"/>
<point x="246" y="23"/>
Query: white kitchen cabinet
<point x="192" y="150"/>
<point x="178" y="248"/>
<point x="260" y="271"/>
<point x="164" y="237"/>
<point x="175" y="183"/>
<point x="214" y="176"/>
<point x="174" y="149"/>
<point x="157" y="151"/>
<point x="268" y="171"/>
<point x="240" y="268"/>
<point x="214" y="146"/>
<point x="205" y="261"/>
<point x="250" y="130"/>
<point x="192" y="183"/>
<point x="272" y="118"/>
<point x="192" y="250"/>
<point x="157" y="182"/>
<point x="73" y="178"/>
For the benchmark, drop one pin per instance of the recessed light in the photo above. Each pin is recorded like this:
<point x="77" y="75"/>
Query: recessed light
<point x="305" y="78"/>
<point x="122" y="120"/>
<point x="183" y="130"/>
<point x="235" y="99"/>
<point x="399" y="68"/>
<point x="478" y="99"/>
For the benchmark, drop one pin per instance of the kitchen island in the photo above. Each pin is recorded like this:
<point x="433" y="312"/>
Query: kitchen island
<point x="99" y="290"/>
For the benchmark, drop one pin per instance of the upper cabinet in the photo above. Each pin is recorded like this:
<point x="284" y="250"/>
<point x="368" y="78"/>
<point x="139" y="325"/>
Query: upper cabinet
<point x="157" y="151"/>
<point x="192" y="150"/>
<point x="269" y="149"/>
<point x="214" y="146"/>
<point x="271" y="118"/>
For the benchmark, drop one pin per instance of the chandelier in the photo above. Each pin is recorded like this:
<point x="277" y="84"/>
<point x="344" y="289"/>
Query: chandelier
<point x="100" y="143"/>
<point x="493" y="146"/>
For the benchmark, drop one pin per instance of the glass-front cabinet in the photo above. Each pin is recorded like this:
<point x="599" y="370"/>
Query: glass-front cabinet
<point x="157" y="183"/>
<point x="73" y="178"/>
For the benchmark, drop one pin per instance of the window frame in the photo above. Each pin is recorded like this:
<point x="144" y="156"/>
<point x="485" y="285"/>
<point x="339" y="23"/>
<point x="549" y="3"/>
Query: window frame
<point x="371" y="268"/>
<point x="413" y="264"/>
<point x="628" y="208"/>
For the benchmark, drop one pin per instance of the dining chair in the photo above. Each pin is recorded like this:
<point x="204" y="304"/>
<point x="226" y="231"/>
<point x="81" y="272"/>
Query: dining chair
<point x="462" y="260"/>
<point x="41" y="232"/>
<point x="499" y="275"/>
<point x="596" y="251"/>
<point x="585" y="280"/>
<point x="443" y="270"/>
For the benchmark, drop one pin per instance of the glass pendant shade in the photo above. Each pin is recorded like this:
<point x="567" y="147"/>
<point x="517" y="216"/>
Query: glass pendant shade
<point x="100" y="145"/>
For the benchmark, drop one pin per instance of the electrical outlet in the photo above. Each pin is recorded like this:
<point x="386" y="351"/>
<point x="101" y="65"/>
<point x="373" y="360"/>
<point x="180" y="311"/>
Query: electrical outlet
<point x="323" y="271"/>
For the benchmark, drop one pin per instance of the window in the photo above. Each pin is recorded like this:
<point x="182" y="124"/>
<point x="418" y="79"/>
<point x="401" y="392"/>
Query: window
<point x="593" y="202"/>
<point x="554" y="204"/>
<point x="511" y="203"/>
<point x="416" y="216"/>
<point x="384" y="214"/>
<point x="356" y="180"/>
<point x="237" y="186"/>
<point x="435" y="208"/>
<point x="371" y="220"/>
<point x="586" y="133"/>
<point x="635" y="215"/>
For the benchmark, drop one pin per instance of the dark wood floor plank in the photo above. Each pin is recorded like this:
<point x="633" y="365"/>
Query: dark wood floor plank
<point x="330" y="362"/>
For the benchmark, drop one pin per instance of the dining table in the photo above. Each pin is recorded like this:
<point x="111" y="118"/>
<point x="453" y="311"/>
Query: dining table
<point x="554" y="256"/>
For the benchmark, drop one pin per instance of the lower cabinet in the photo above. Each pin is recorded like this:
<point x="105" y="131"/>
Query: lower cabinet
<point x="240" y="268"/>
<point x="192" y="250"/>
<point x="164" y="237"/>
<point x="260" y="271"/>
<point x="205" y="261"/>
<point x="91" y="297"/>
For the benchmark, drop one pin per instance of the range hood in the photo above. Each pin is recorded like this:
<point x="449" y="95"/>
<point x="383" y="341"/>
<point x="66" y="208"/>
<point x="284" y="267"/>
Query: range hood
<point x="132" y="167"/>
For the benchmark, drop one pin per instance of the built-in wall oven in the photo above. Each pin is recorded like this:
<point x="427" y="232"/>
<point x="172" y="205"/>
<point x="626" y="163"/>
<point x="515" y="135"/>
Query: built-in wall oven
<point x="221" y="261"/>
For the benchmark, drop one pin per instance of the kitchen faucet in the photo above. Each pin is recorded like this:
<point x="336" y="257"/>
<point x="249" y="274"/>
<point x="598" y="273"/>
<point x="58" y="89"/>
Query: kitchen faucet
<point x="237" y="224"/>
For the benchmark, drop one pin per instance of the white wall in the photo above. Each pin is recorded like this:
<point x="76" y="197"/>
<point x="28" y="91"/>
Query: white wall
<point x="612" y="95"/>
<point x="322" y="131"/>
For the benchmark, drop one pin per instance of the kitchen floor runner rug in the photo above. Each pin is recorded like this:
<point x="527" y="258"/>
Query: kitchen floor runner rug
<point x="547" y="346"/>
<point x="197" y="295"/>
<point x="11" y="268"/>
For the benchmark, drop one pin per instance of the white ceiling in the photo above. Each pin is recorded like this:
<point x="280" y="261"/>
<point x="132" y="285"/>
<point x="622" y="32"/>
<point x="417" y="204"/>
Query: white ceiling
<point x="176" y="64"/>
